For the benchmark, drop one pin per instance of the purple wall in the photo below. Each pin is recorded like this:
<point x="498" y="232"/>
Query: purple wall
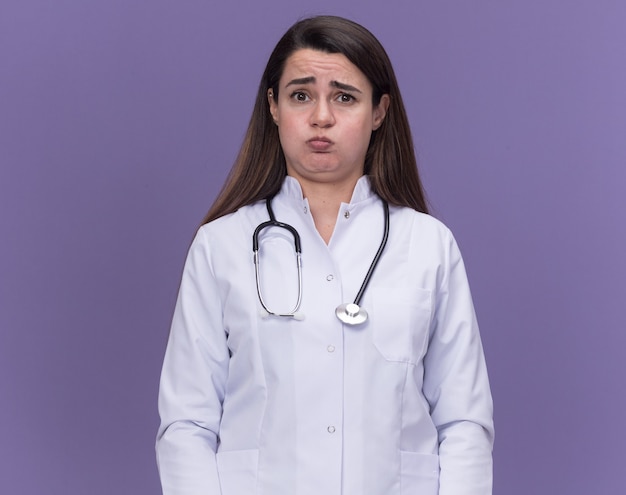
<point x="118" y="122"/>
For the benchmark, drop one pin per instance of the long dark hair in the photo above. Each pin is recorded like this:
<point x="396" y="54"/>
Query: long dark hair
<point x="390" y="163"/>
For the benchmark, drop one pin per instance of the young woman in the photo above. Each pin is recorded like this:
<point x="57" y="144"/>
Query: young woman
<point x="355" y="368"/>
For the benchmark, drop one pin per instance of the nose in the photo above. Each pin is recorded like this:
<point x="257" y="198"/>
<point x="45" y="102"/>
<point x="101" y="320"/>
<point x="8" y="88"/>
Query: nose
<point x="322" y="114"/>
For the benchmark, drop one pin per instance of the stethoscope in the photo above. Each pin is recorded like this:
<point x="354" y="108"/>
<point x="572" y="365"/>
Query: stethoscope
<point x="349" y="313"/>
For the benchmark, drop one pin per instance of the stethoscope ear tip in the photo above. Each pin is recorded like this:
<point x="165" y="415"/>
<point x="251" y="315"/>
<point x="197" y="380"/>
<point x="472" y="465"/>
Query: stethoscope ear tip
<point x="296" y="316"/>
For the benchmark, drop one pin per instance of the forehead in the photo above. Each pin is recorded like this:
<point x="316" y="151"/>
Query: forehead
<point x="321" y="66"/>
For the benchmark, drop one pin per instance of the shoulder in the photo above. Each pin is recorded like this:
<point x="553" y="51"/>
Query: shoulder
<point x="412" y="220"/>
<point x="226" y="236"/>
<point x="232" y="224"/>
<point x="224" y="242"/>
<point x="424" y="236"/>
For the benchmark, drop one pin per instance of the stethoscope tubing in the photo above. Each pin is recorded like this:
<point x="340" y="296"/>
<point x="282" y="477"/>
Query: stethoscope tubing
<point x="351" y="314"/>
<point x="272" y="222"/>
<point x="377" y="256"/>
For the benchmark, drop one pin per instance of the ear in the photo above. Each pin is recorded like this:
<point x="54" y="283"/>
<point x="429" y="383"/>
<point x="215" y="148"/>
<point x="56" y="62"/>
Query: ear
<point x="380" y="111"/>
<point x="273" y="105"/>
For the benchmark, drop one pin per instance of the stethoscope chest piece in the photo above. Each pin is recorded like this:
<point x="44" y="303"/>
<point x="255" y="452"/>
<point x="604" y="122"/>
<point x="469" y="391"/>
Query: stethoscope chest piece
<point x="351" y="314"/>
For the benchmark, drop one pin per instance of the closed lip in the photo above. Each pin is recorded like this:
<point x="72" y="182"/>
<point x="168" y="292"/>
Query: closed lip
<point x="320" y="143"/>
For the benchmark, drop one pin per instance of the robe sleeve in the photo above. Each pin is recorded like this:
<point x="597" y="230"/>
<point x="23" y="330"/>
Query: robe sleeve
<point x="456" y="384"/>
<point x="193" y="378"/>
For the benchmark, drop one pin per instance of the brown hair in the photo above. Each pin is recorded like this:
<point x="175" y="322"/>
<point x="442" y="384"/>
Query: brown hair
<point x="390" y="163"/>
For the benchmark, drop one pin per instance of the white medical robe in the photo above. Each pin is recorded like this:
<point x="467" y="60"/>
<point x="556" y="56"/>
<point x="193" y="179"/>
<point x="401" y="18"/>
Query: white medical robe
<point x="254" y="405"/>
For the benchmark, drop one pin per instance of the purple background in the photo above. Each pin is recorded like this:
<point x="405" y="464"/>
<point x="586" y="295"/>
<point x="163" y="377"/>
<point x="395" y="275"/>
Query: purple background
<point x="118" y="122"/>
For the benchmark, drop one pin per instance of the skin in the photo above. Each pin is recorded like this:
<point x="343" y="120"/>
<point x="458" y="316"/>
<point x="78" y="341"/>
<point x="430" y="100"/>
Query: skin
<point x="325" y="118"/>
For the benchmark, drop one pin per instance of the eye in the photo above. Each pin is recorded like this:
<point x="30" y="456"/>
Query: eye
<point x="300" y="96"/>
<point x="345" y="98"/>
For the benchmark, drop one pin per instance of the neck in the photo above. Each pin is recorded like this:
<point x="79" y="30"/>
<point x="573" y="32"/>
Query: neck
<point x="324" y="202"/>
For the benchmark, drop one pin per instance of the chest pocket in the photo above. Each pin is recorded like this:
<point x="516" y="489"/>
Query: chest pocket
<point x="400" y="321"/>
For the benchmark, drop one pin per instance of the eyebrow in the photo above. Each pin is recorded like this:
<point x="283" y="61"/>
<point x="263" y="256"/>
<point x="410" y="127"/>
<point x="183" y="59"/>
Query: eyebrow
<point x="311" y="79"/>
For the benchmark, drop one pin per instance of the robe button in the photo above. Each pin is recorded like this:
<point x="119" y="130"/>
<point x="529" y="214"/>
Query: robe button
<point x="331" y="429"/>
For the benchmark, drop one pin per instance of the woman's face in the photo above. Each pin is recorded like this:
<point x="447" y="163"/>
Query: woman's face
<point x="325" y="117"/>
